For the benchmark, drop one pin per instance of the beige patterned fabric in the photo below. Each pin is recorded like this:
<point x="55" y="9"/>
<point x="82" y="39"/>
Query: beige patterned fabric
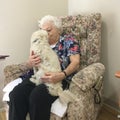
<point x="87" y="84"/>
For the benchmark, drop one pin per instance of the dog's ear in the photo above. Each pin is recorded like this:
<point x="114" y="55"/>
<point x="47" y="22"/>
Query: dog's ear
<point x="44" y="35"/>
<point x="35" y="37"/>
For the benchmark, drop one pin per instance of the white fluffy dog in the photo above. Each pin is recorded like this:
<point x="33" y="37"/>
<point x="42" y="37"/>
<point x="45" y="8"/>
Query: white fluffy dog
<point x="49" y="63"/>
<point x="49" y="60"/>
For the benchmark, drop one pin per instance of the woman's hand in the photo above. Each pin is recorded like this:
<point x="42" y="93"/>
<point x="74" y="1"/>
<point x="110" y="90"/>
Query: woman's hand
<point x="33" y="60"/>
<point x="53" y="77"/>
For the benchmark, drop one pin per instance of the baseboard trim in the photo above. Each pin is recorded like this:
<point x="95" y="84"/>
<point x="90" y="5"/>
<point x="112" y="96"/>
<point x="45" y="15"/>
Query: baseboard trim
<point x="111" y="110"/>
<point x="112" y="104"/>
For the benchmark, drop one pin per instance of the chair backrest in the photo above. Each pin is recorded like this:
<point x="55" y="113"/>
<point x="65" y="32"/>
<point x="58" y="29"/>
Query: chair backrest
<point x="87" y="30"/>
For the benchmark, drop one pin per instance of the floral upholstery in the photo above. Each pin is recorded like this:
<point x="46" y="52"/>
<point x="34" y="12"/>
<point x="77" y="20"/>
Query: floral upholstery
<point x="87" y="84"/>
<point x="87" y="29"/>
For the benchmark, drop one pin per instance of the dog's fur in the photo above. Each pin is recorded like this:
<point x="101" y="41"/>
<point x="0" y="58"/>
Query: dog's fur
<point x="49" y="60"/>
<point x="49" y="63"/>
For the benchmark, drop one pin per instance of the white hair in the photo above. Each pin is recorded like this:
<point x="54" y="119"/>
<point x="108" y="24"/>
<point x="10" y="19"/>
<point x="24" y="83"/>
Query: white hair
<point x="48" y="18"/>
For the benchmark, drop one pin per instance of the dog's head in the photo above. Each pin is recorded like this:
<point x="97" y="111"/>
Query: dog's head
<point x="39" y="37"/>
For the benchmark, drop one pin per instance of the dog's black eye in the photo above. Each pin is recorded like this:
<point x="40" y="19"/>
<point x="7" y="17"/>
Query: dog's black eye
<point x="35" y="40"/>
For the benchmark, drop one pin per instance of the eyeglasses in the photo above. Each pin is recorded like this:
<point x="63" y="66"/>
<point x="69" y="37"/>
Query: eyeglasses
<point x="48" y="30"/>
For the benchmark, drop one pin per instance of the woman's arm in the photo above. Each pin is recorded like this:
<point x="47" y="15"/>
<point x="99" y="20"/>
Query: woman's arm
<point x="74" y="64"/>
<point x="59" y="76"/>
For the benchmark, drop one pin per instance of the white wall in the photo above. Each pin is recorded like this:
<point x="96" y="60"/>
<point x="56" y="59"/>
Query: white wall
<point x="18" y="20"/>
<point x="110" y="39"/>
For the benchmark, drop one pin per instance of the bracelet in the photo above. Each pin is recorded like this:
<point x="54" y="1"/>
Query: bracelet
<point x="64" y="73"/>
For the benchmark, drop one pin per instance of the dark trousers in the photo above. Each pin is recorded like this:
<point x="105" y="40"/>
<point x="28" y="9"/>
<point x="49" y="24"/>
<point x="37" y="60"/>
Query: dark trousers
<point x="28" y="98"/>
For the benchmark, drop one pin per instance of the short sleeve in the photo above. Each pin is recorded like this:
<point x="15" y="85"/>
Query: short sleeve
<point x="72" y="45"/>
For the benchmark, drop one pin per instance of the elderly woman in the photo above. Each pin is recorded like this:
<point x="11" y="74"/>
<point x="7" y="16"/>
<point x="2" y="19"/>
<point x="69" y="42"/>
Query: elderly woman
<point x="26" y="97"/>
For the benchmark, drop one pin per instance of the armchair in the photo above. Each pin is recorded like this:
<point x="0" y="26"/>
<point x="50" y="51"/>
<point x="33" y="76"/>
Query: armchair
<point x="87" y="84"/>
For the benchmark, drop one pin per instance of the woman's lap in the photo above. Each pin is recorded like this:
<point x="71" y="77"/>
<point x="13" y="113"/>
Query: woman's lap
<point x="33" y="99"/>
<point x="28" y="89"/>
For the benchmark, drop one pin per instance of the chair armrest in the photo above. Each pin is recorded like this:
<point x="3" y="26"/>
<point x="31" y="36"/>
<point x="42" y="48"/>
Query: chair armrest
<point x="11" y="72"/>
<point x="89" y="76"/>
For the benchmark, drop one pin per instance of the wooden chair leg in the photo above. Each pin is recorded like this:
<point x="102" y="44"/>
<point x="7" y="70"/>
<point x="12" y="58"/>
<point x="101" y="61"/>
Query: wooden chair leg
<point x="3" y="115"/>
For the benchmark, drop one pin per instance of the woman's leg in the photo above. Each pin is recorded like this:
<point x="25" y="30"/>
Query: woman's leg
<point x="40" y="103"/>
<point x="19" y="100"/>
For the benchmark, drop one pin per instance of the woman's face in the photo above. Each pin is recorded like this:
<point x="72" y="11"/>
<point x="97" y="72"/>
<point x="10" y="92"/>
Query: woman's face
<point x="53" y="32"/>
